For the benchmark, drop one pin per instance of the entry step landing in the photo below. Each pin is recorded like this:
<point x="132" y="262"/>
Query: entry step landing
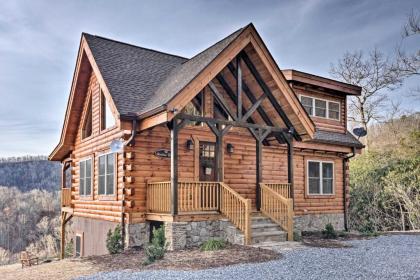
<point x="264" y="230"/>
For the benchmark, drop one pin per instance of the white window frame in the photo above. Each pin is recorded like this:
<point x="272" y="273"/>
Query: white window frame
<point x="327" y="107"/>
<point x="103" y="103"/>
<point x="84" y="160"/>
<point x="114" y="193"/>
<point x="321" y="187"/>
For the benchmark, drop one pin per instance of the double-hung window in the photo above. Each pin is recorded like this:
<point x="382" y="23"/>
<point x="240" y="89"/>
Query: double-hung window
<point x="85" y="181"/>
<point x="106" y="174"/>
<point x="321" y="108"/>
<point x="320" y="177"/>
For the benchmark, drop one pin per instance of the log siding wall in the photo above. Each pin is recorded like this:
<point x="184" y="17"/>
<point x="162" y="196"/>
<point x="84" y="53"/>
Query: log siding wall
<point x="134" y="171"/>
<point x="94" y="206"/>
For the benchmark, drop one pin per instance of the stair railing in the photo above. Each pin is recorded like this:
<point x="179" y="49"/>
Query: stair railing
<point x="278" y="208"/>
<point x="237" y="209"/>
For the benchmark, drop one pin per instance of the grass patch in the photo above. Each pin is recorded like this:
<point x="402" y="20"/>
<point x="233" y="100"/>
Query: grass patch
<point x="213" y="245"/>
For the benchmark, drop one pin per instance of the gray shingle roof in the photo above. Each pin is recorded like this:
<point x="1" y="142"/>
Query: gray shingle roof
<point x="132" y="74"/>
<point x="140" y="79"/>
<point x="337" y="138"/>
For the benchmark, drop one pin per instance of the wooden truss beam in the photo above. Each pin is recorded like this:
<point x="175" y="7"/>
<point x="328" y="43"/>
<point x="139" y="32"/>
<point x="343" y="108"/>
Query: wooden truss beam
<point x="231" y="123"/>
<point x="221" y="100"/>
<point x="253" y="100"/>
<point x="267" y="92"/>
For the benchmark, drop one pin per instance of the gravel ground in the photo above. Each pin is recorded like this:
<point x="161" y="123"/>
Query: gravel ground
<point x="385" y="257"/>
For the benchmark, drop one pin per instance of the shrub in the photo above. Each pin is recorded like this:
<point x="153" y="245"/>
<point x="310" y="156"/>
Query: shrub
<point x="329" y="232"/>
<point x="156" y="249"/>
<point x="213" y="245"/>
<point x="114" y="242"/>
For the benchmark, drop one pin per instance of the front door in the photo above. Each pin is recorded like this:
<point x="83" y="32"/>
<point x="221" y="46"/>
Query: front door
<point x="207" y="161"/>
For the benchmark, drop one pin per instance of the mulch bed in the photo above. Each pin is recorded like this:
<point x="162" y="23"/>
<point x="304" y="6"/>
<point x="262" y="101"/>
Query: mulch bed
<point x="191" y="259"/>
<point x="316" y="239"/>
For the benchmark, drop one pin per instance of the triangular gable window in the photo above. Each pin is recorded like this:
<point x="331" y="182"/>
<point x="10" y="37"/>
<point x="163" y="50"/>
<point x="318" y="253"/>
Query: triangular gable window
<point x="108" y="119"/>
<point x="87" y="125"/>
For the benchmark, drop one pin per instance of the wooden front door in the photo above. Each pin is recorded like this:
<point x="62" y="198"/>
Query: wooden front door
<point x="207" y="161"/>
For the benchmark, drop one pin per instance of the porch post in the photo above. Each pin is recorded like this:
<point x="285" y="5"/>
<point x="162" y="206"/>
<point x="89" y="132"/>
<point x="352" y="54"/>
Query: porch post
<point x="219" y="157"/>
<point x="259" y="172"/>
<point x="174" y="166"/>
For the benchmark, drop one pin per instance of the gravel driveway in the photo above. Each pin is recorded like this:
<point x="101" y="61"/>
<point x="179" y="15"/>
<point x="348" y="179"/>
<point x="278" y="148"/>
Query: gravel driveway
<point x="385" y="257"/>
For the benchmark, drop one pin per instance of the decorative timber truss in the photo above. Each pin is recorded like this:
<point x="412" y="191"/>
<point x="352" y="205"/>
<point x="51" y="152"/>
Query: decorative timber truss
<point x="239" y="117"/>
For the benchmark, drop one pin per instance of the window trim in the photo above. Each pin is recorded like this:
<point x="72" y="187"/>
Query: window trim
<point x="84" y="116"/>
<point x="114" y="195"/>
<point x="327" y="113"/>
<point x="92" y="168"/>
<point x="82" y="244"/>
<point x="321" y="194"/>
<point x="102" y="98"/>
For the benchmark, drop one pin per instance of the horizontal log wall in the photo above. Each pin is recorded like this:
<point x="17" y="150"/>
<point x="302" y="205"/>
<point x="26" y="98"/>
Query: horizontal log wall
<point x="91" y="147"/>
<point x="239" y="167"/>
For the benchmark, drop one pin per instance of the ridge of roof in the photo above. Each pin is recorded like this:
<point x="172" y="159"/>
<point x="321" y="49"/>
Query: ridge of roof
<point x="132" y="45"/>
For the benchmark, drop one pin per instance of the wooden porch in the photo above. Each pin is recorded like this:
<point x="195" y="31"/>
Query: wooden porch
<point x="217" y="198"/>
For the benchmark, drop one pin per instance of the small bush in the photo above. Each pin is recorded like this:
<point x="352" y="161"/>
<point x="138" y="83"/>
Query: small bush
<point x="114" y="242"/>
<point x="69" y="249"/>
<point x="213" y="245"/>
<point x="156" y="249"/>
<point x="329" y="232"/>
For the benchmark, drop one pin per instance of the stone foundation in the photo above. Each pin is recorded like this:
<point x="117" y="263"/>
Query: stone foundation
<point x="136" y="234"/>
<point x="317" y="222"/>
<point x="180" y="235"/>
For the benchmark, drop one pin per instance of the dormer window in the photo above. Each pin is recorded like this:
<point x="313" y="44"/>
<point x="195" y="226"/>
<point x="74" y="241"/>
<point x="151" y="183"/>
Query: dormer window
<point x="107" y="117"/>
<point x="321" y="108"/>
<point x="87" y="124"/>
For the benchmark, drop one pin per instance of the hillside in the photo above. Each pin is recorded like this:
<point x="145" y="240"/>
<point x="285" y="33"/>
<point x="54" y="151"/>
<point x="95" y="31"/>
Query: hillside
<point x="30" y="172"/>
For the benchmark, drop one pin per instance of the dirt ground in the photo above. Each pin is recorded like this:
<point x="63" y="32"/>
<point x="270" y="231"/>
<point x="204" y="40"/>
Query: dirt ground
<point x="133" y="260"/>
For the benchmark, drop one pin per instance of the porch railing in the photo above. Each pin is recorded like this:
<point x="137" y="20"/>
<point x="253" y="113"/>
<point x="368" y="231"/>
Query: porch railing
<point x="202" y="196"/>
<point x="280" y="188"/>
<point x="237" y="209"/>
<point x="66" y="197"/>
<point x="278" y="208"/>
<point x="198" y="196"/>
<point x="159" y="197"/>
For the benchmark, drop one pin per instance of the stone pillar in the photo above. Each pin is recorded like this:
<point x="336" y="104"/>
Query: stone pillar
<point x="176" y="235"/>
<point x="136" y="234"/>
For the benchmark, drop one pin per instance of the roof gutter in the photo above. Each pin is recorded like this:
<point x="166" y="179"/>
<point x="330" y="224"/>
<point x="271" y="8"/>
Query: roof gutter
<point x="345" y="162"/>
<point x="129" y="142"/>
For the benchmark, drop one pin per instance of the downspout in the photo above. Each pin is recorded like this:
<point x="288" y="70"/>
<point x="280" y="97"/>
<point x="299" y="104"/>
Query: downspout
<point x="345" y="161"/>
<point x="129" y="142"/>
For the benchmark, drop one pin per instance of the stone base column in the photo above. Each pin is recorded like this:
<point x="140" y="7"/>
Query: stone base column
<point x="317" y="222"/>
<point x="176" y="235"/>
<point x="136" y="234"/>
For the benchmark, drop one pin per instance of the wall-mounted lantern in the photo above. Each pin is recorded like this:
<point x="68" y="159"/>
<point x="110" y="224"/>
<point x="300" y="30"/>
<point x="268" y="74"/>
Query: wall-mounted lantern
<point x="229" y="148"/>
<point x="190" y="145"/>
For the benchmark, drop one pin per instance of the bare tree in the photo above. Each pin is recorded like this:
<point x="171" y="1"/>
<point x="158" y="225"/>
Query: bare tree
<point x="412" y="27"/>
<point x="374" y="73"/>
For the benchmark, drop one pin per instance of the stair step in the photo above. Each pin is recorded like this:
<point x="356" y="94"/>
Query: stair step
<point x="266" y="227"/>
<point x="268" y="236"/>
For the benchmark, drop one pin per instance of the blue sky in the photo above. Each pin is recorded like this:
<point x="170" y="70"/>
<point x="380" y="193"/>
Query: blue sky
<point x="39" y="42"/>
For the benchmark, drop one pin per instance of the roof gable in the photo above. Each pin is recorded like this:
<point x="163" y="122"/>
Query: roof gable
<point x="132" y="74"/>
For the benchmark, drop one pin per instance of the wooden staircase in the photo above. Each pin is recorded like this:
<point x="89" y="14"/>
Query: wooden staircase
<point x="265" y="230"/>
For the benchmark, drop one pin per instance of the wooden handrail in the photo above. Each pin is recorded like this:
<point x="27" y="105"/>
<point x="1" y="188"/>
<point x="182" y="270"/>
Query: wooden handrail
<point x="158" y="197"/>
<point x="278" y="208"/>
<point x="198" y="196"/>
<point x="66" y="197"/>
<point x="281" y="188"/>
<point x="237" y="209"/>
<point x="202" y="196"/>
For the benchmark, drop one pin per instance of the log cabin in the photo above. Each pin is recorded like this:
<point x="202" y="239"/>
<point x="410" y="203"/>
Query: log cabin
<point x="220" y="145"/>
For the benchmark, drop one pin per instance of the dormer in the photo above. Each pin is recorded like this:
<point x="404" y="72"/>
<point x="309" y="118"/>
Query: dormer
<point x="325" y="100"/>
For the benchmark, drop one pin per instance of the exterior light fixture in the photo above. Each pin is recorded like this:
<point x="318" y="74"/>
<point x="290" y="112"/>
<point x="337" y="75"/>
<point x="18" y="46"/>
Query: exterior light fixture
<point x="190" y="145"/>
<point x="229" y="148"/>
